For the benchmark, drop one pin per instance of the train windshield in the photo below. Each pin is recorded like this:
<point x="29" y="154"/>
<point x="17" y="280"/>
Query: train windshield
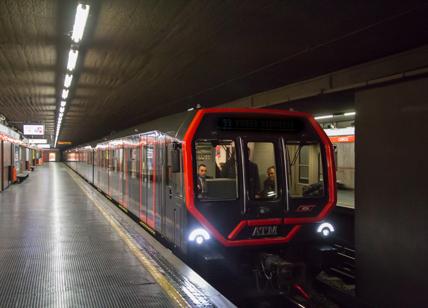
<point x="261" y="168"/>
<point x="216" y="170"/>
<point x="305" y="170"/>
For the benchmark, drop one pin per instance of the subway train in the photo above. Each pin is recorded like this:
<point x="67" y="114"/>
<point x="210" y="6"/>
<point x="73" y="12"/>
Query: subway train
<point x="218" y="177"/>
<point x="16" y="159"/>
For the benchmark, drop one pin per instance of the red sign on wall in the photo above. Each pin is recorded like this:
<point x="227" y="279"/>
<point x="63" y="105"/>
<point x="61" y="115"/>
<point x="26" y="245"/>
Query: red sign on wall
<point x="338" y="139"/>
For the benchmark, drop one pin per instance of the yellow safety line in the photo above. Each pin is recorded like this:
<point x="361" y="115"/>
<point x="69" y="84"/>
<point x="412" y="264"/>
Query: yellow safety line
<point x="147" y="263"/>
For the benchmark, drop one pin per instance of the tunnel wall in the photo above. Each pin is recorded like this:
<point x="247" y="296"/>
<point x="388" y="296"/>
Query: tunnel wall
<point x="392" y="194"/>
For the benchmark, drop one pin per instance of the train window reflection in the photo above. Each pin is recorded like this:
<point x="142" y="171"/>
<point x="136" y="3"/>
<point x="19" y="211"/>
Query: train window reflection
<point x="304" y="170"/>
<point x="261" y="170"/>
<point x="216" y="170"/>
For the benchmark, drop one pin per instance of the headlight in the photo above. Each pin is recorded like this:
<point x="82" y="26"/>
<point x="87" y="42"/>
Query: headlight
<point x="325" y="229"/>
<point x="199" y="236"/>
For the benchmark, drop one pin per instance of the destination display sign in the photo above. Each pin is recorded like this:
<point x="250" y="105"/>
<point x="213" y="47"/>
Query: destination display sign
<point x="261" y="124"/>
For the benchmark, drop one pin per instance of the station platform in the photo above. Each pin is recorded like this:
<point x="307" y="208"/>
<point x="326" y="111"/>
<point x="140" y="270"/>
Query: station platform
<point x="63" y="244"/>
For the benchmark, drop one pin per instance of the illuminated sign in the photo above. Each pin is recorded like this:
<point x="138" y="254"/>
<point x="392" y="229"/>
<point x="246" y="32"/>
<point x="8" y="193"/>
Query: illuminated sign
<point x="43" y="146"/>
<point x="34" y="130"/>
<point x="64" y="142"/>
<point x="338" y="139"/>
<point x="37" y="141"/>
<point x="261" y="124"/>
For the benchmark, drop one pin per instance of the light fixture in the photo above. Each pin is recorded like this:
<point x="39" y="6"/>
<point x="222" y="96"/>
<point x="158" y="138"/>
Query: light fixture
<point x="61" y="109"/>
<point x="67" y="80"/>
<point x="82" y="13"/>
<point x="348" y="114"/>
<point x="63" y="103"/>
<point x="72" y="59"/>
<point x="199" y="236"/>
<point x="329" y="116"/>
<point x="64" y="94"/>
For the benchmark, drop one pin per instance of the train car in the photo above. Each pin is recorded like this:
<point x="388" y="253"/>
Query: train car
<point x="16" y="159"/>
<point x="219" y="177"/>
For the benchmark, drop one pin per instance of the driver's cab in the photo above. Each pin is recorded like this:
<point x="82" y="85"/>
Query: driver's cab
<point x="257" y="174"/>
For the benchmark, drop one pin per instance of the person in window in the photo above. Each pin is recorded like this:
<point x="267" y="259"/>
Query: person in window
<point x="253" y="178"/>
<point x="201" y="186"/>
<point x="269" y="185"/>
<point x="228" y="169"/>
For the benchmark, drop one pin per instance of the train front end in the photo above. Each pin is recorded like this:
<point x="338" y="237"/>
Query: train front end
<point x="256" y="176"/>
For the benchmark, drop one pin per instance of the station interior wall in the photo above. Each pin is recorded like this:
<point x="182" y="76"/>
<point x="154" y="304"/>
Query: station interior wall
<point x="46" y="155"/>
<point x="391" y="194"/>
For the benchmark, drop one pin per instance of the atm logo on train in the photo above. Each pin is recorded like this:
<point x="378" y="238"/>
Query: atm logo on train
<point x="265" y="231"/>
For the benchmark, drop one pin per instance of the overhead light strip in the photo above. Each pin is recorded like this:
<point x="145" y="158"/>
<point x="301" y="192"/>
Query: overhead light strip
<point x="329" y="116"/>
<point x="82" y="13"/>
<point x="67" y="81"/>
<point x="72" y="59"/>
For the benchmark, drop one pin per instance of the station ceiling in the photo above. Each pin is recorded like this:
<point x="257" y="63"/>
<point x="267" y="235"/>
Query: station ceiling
<point x="144" y="59"/>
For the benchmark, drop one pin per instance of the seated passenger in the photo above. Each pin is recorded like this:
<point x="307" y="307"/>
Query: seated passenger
<point x="269" y="185"/>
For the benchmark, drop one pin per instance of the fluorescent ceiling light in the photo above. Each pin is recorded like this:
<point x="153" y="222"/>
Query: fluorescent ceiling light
<point x="63" y="103"/>
<point x="348" y="114"/>
<point x="347" y="131"/>
<point x="82" y="13"/>
<point x="67" y="80"/>
<point x="61" y="109"/>
<point x="329" y="116"/>
<point x="64" y="94"/>
<point x="72" y="59"/>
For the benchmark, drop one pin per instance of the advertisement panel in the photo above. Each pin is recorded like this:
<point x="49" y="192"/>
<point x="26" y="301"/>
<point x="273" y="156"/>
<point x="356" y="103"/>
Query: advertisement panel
<point x="34" y="129"/>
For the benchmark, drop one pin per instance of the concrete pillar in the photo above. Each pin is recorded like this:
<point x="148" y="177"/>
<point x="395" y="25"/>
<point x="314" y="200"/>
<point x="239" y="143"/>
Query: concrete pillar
<point x="392" y="194"/>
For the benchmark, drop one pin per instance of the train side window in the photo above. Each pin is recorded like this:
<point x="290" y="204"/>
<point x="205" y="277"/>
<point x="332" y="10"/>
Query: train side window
<point x="174" y="179"/>
<point x="216" y="176"/>
<point x="261" y="171"/>
<point x="305" y="170"/>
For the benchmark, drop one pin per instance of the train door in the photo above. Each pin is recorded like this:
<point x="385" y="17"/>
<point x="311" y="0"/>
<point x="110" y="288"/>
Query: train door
<point x="150" y="179"/>
<point x="132" y="176"/>
<point x="174" y="200"/>
<point x="125" y="175"/>
<point x="264" y="176"/>
<point x="119" y="174"/>
<point x="144" y="179"/>
<point x="110" y="168"/>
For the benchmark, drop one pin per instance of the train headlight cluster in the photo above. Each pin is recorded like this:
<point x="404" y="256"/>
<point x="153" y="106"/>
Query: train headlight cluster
<point x="325" y="229"/>
<point x="199" y="236"/>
